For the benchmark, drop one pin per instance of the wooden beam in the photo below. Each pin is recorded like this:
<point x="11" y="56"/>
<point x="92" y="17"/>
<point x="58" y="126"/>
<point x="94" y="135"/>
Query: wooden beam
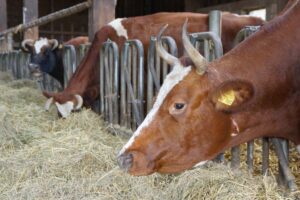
<point x="100" y="13"/>
<point x="236" y="6"/>
<point x="30" y="13"/>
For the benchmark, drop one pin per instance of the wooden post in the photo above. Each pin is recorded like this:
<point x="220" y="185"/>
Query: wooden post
<point x="100" y="13"/>
<point x="3" y="24"/>
<point x="30" y="13"/>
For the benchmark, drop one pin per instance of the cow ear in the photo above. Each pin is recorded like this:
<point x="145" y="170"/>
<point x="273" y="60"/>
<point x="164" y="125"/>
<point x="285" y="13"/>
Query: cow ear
<point x="231" y="95"/>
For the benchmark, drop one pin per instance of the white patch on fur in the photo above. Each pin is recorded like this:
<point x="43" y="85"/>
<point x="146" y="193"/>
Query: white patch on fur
<point x="39" y="44"/>
<point x="118" y="26"/>
<point x="236" y="126"/>
<point x="79" y="101"/>
<point x="48" y="103"/>
<point x="172" y="79"/>
<point x="65" y="109"/>
<point x="298" y="148"/>
<point x="199" y="164"/>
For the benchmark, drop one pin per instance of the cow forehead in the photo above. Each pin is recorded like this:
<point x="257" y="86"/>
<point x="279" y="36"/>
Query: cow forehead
<point x="119" y="28"/>
<point x="172" y="79"/>
<point x="39" y="44"/>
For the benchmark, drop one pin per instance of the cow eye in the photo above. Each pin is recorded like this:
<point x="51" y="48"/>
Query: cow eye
<point x="179" y="106"/>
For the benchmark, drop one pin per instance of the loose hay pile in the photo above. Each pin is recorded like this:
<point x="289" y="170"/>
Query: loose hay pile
<point x="44" y="157"/>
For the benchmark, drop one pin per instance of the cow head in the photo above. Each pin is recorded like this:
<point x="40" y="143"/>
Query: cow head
<point x="190" y="121"/>
<point x="64" y="108"/>
<point x="42" y="55"/>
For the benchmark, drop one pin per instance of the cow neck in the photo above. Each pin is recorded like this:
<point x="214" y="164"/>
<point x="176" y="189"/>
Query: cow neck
<point x="276" y="45"/>
<point x="59" y="69"/>
<point x="269" y="60"/>
<point x="87" y="72"/>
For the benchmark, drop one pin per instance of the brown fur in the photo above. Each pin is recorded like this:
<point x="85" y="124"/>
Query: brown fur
<point x="265" y="66"/>
<point x="85" y="80"/>
<point x="77" y="41"/>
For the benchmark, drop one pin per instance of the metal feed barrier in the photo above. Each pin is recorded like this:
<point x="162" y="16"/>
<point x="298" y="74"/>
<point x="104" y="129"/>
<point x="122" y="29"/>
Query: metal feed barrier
<point x="281" y="146"/>
<point x="125" y="96"/>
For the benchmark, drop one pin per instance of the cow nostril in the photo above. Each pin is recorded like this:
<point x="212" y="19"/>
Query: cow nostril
<point x="125" y="161"/>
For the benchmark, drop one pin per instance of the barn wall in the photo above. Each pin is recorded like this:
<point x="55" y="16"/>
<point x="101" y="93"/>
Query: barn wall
<point x="129" y="8"/>
<point x="66" y="28"/>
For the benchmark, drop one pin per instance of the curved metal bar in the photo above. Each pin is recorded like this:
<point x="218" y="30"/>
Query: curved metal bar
<point x="154" y="78"/>
<point x="109" y="81"/>
<point x="210" y="36"/>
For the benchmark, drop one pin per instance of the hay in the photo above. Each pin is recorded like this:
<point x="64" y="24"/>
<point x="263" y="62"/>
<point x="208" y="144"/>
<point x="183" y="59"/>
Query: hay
<point x="44" y="157"/>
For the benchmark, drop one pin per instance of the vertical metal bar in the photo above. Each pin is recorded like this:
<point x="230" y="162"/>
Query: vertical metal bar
<point x="150" y="82"/>
<point x="125" y="52"/>
<point x="285" y="150"/>
<point x="235" y="157"/>
<point x="265" y="155"/>
<point x="289" y="177"/>
<point x="108" y="83"/>
<point x="116" y="76"/>
<point x="69" y="61"/>
<point x="250" y="152"/>
<point x="101" y="81"/>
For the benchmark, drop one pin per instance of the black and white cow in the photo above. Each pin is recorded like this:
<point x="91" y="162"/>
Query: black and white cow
<point x="46" y="56"/>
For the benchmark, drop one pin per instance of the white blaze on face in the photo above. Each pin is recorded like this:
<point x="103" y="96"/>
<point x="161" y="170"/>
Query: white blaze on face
<point x="65" y="109"/>
<point x="298" y="148"/>
<point x="172" y="79"/>
<point x="118" y="26"/>
<point x="39" y="44"/>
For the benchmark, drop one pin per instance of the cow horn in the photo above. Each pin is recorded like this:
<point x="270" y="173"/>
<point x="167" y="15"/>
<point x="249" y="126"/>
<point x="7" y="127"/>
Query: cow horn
<point x="199" y="61"/>
<point x="79" y="102"/>
<point x="170" y="59"/>
<point x="48" y="103"/>
<point x="27" y="41"/>
<point x="54" y="43"/>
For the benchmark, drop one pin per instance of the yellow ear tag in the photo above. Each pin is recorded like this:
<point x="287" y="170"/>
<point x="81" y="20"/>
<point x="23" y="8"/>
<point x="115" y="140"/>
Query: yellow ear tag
<point x="227" y="98"/>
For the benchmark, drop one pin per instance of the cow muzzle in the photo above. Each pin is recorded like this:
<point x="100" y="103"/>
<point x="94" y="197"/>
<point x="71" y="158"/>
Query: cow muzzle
<point x="35" y="70"/>
<point x="135" y="163"/>
<point x="125" y="161"/>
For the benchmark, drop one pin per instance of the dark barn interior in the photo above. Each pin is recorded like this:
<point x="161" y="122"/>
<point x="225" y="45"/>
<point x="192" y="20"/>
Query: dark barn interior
<point x="79" y="24"/>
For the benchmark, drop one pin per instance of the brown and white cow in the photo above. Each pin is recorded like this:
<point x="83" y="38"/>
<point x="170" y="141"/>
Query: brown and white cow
<point x="85" y="81"/>
<point x="204" y="108"/>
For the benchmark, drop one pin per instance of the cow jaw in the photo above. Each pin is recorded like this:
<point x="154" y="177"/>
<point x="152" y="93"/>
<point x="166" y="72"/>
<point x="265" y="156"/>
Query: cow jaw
<point x="65" y="109"/>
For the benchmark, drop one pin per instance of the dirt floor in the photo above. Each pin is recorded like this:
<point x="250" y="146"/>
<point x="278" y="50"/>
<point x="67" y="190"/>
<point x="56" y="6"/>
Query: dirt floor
<point x="44" y="157"/>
